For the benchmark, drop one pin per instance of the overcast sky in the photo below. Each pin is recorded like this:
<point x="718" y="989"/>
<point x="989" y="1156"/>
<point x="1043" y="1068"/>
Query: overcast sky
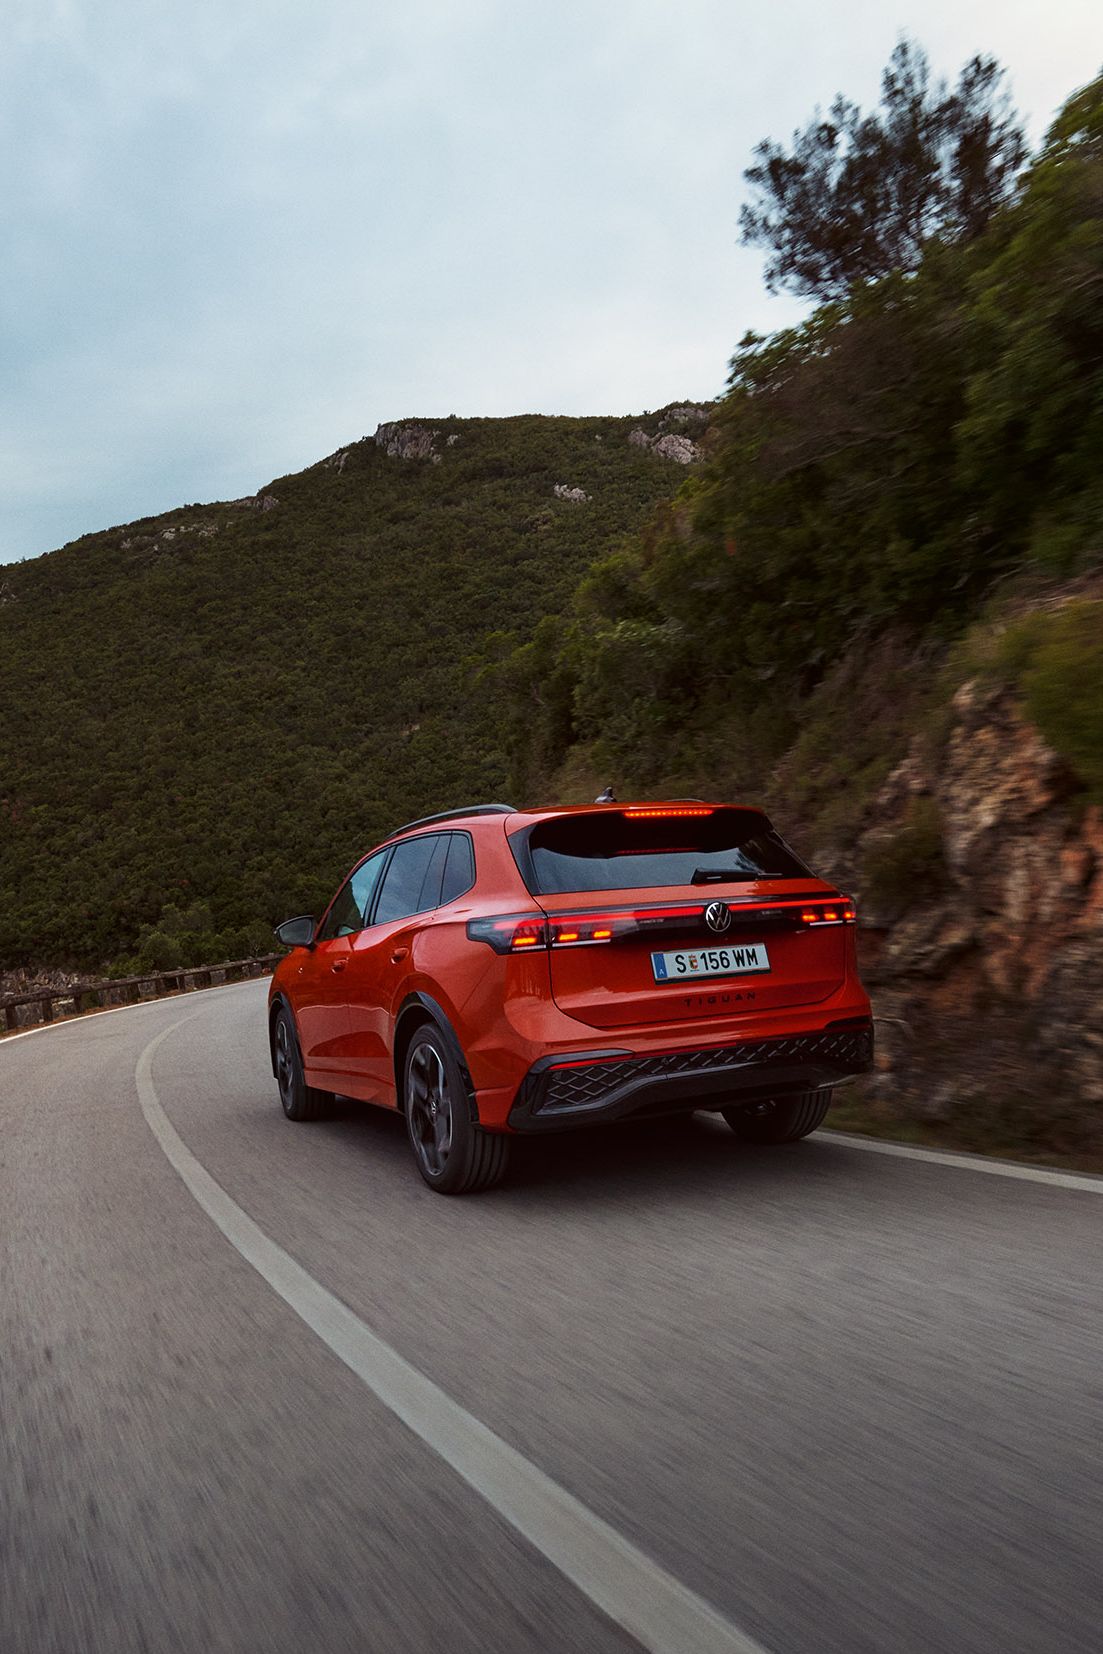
<point x="240" y="233"/>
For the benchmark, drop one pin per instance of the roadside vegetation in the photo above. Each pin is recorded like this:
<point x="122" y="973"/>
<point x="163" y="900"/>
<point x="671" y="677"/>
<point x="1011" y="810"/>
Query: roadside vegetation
<point x="928" y="439"/>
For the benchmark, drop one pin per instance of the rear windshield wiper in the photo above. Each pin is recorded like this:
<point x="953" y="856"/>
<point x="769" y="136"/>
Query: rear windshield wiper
<point x="726" y="875"/>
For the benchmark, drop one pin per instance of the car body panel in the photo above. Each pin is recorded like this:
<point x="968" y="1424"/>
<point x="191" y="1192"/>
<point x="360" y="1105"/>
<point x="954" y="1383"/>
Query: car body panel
<point x="510" y="1012"/>
<point x="316" y="988"/>
<point x="613" y="986"/>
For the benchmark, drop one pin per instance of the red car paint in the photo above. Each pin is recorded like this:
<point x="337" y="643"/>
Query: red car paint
<point x="578" y="984"/>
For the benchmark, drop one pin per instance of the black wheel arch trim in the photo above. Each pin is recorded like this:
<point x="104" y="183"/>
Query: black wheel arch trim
<point x="279" y="1002"/>
<point x="430" y="1010"/>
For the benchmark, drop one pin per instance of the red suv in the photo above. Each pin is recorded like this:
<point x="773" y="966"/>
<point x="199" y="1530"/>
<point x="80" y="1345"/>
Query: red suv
<point x="493" y="971"/>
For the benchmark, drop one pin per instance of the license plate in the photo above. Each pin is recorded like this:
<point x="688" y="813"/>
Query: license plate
<point x="727" y="961"/>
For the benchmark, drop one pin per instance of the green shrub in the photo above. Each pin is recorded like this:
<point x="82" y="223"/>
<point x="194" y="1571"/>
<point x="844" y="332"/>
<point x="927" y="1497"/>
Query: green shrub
<point x="900" y="869"/>
<point x="158" y="952"/>
<point x="1063" y="688"/>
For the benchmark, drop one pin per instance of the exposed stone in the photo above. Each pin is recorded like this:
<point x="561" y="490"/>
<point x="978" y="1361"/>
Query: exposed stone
<point x="1069" y="1025"/>
<point x="406" y="441"/>
<point x="924" y="941"/>
<point x="563" y="491"/>
<point x="1016" y="934"/>
<point x="668" y="446"/>
<point x="678" y="448"/>
<point x="996" y="769"/>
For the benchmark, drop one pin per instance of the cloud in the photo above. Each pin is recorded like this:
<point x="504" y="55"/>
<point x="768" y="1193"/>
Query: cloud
<point x="239" y="234"/>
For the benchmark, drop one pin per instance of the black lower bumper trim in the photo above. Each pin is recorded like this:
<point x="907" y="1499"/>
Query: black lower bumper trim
<point x="560" y="1092"/>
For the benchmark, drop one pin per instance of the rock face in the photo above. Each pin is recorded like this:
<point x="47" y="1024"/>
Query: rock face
<point x="678" y="448"/>
<point x="406" y="441"/>
<point x="995" y="979"/>
<point x="563" y="491"/>
<point x="667" y="444"/>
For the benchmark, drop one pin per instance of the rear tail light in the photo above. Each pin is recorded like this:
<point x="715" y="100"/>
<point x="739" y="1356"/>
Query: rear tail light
<point x="573" y="930"/>
<point x="520" y="932"/>
<point x="840" y="912"/>
<point x="510" y="932"/>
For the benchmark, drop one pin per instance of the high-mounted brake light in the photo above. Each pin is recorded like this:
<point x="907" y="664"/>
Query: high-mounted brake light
<point x="662" y="815"/>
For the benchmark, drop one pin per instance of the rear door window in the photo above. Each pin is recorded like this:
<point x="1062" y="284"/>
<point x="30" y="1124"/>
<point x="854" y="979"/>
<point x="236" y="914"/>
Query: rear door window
<point x="413" y="879"/>
<point x="619" y="850"/>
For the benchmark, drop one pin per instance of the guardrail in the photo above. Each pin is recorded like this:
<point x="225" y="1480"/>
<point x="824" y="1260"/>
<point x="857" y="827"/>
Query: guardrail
<point x="124" y="990"/>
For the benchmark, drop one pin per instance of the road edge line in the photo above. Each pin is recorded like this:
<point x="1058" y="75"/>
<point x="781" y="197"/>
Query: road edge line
<point x="1086" y="1182"/>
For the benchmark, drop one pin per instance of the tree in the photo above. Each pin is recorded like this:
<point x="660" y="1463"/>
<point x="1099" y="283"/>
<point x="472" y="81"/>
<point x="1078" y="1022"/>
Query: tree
<point x="859" y="196"/>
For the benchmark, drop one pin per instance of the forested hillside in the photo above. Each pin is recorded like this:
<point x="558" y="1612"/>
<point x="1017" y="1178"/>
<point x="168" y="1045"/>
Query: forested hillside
<point x="205" y="716"/>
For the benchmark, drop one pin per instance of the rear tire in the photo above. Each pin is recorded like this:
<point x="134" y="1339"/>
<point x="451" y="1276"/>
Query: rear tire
<point x="781" y="1120"/>
<point x="453" y="1156"/>
<point x="300" y="1101"/>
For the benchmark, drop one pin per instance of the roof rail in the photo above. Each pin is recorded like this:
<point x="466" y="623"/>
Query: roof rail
<point x="453" y="815"/>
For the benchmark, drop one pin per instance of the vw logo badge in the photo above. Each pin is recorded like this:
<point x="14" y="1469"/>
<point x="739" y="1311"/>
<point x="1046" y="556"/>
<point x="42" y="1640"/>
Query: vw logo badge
<point x="718" y="916"/>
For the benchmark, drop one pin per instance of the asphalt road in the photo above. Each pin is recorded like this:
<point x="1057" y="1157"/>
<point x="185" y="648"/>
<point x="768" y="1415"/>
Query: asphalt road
<point x="812" y="1399"/>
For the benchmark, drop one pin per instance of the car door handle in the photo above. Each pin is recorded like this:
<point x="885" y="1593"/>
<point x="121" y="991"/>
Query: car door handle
<point x="398" y="955"/>
<point x="338" y="964"/>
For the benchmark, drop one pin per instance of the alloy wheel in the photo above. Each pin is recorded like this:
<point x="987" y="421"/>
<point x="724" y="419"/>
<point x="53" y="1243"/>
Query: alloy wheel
<point x="430" y="1109"/>
<point x="285" y="1062"/>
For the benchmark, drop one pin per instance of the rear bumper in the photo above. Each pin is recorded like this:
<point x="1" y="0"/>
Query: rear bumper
<point x="561" y="1092"/>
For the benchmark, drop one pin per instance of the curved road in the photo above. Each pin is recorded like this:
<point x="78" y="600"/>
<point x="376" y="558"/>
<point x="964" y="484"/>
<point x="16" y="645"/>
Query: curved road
<point x="260" y="1390"/>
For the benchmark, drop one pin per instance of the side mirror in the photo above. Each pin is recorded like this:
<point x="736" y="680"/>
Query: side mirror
<point x="296" y="933"/>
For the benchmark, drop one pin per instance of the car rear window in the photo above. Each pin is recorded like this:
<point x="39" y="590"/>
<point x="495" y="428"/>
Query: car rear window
<point x="619" y="851"/>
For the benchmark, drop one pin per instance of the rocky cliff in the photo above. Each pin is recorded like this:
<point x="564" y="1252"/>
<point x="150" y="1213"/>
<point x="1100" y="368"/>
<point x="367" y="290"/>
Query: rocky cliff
<point x="985" y="959"/>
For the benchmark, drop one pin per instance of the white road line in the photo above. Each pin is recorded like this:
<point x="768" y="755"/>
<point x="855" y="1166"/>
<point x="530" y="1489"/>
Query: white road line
<point x="967" y="1162"/>
<point x="634" y="1591"/>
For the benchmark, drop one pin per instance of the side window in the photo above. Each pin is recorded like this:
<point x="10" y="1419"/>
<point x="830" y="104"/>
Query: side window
<point x="363" y="883"/>
<point x="413" y="878"/>
<point x="343" y="917"/>
<point x="459" y="871"/>
<point x="347" y="913"/>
